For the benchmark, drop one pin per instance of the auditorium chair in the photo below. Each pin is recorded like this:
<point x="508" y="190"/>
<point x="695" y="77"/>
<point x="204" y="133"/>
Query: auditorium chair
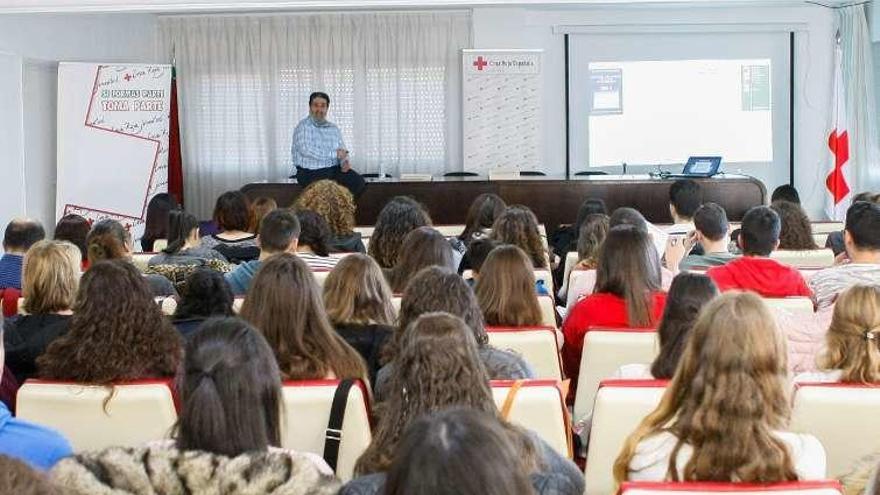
<point x="571" y="259"/>
<point x="538" y="406"/>
<point x="826" y="227"/>
<point x="795" y="305"/>
<point x="537" y="345"/>
<point x="620" y="407"/>
<point x="10" y="297"/>
<point x="820" y="487"/>
<point x="307" y="407"/>
<point x="140" y="260"/>
<point x="548" y="311"/>
<point x="90" y="418"/>
<point x="365" y="230"/>
<point x="842" y="416"/>
<point x="813" y="258"/>
<point x="159" y="245"/>
<point x="237" y="303"/>
<point x="580" y="284"/>
<point x="320" y="277"/>
<point x="450" y="230"/>
<point x="604" y="351"/>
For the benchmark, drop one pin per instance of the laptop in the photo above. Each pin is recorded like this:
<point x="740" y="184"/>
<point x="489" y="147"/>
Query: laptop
<point x="699" y="167"/>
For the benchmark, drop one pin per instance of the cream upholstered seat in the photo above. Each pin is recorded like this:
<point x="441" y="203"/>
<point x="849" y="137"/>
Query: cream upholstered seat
<point x="571" y="259"/>
<point x="138" y="412"/>
<point x="537" y="405"/>
<point x="842" y="416"/>
<point x="306" y="414"/>
<point x="620" y="407"/>
<point x="814" y="258"/>
<point x="604" y="351"/>
<point x="320" y="277"/>
<point x="537" y="345"/>
<point x="797" y="305"/>
<point x="825" y="487"/>
<point x="548" y="311"/>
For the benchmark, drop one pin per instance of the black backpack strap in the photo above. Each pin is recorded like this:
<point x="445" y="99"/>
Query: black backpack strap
<point x="333" y="434"/>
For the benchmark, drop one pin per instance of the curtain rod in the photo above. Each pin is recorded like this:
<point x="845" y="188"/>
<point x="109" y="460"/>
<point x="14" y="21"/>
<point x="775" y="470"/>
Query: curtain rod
<point x="320" y="12"/>
<point x="835" y="7"/>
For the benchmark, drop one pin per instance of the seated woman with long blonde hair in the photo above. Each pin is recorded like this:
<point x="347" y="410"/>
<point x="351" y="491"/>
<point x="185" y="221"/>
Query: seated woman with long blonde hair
<point x="723" y="416"/>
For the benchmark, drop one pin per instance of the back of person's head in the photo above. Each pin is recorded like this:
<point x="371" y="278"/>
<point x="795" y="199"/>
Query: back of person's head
<point x="284" y="303"/>
<point x="398" y="218"/>
<point x="868" y="196"/>
<point x="206" y="293"/>
<point x="156" y="220"/>
<point x="50" y="277"/>
<point x="853" y="339"/>
<point x="117" y="331"/>
<point x="333" y="202"/>
<point x="629" y="268"/>
<point x="17" y="477"/>
<point x="73" y="229"/>
<point x="735" y="355"/>
<point x="687" y="296"/>
<point x="108" y="240"/>
<point x="685" y="197"/>
<point x="278" y="230"/>
<point x="786" y="192"/>
<point x="478" y="250"/>
<point x="261" y="206"/>
<point x="482" y="214"/>
<point x="458" y="451"/>
<point x="519" y="226"/>
<point x="230" y="391"/>
<point x="710" y="220"/>
<point x="21" y="234"/>
<point x="628" y="216"/>
<point x="760" y="231"/>
<point x="863" y="225"/>
<point x="506" y="289"/>
<point x="590" y="206"/>
<point x="181" y="226"/>
<point x="356" y="292"/>
<point x="233" y="211"/>
<point x="795" y="232"/>
<point x="314" y="232"/>
<point x="591" y="235"/>
<point x="423" y="247"/>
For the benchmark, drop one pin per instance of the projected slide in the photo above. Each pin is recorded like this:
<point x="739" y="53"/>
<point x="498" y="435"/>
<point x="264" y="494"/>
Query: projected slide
<point x="662" y="112"/>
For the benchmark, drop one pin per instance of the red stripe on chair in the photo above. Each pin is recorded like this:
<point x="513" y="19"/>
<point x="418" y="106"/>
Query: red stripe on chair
<point x="728" y="487"/>
<point x="641" y="383"/>
<point x="622" y="329"/>
<point x="521" y="329"/>
<point x="835" y="385"/>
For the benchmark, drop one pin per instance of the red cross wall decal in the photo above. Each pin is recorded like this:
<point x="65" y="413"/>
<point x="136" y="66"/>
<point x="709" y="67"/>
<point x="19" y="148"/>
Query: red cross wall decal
<point x="127" y="77"/>
<point x="480" y="63"/>
<point x="836" y="181"/>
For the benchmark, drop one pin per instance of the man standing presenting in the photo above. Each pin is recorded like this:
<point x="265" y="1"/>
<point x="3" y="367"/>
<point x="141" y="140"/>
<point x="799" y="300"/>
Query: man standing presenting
<point x="318" y="150"/>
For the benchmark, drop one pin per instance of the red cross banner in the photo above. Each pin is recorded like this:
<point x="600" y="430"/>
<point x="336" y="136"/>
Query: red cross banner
<point x="838" y="183"/>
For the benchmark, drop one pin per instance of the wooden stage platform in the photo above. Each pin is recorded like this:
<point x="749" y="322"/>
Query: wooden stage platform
<point x="554" y="201"/>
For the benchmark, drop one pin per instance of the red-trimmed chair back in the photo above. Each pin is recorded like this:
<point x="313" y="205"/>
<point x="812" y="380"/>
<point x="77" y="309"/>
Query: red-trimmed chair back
<point x="9" y="297"/>
<point x="537" y="345"/>
<point x="825" y="487"/>
<point x="539" y="406"/>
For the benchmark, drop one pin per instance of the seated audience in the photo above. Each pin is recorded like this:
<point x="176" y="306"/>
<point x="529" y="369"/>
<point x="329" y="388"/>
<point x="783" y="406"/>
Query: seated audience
<point x="439" y="289"/>
<point x="398" y="218"/>
<point x="20" y="235"/>
<point x="17" y="477"/>
<point x="358" y="302"/>
<point x="336" y="205"/>
<point x="723" y="415"/>
<point x="234" y="215"/>
<point x="712" y="232"/>
<point x="862" y="241"/>
<point x="438" y="368"/>
<point x="785" y="192"/>
<point x="108" y="240"/>
<point x="262" y="206"/>
<point x="156" y="221"/>
<point x="795" y="233"/>
<point x="205" y="295"/>
<point x="184" y="245"/>
<point x="314" y="241"/>
<point x="228" y="435"/>
<point x="835" y="241"/>
<point x="477" y="253"/>
<point x="852" y="344"/>
<point x="755" y="271"/>
<point x="421" y="248"/>
<point x="591" y="236"/>
<point x="565" y="238"/>
<point x="74" y="229"/>
<point x="506" y="289"/>
<point x="51" y="279"/>
<point x="628" y="293"/>
<point x="688" y="295"/>
<point x="685" y="197"/>
<point x="519" y="226"/>
<point x="284" y="304"/>
<point x="477" y="225"/>
<point x="279" y="233"/>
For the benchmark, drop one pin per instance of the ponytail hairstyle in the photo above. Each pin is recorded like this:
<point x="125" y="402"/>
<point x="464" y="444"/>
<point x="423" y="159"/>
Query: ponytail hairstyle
<point x="230" y="389"/>
<point x="853" y="339"/>
<point x="180" y="226"/>
<point x="108" y="240"/>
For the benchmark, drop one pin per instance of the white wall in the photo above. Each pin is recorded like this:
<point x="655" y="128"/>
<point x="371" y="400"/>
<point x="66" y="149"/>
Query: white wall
<point x="41" y="41"/>
<point x="12" y="191"/>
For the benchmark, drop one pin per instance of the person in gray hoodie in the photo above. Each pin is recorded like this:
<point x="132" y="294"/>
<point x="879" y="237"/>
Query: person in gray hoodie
<point x="279" y="233"/>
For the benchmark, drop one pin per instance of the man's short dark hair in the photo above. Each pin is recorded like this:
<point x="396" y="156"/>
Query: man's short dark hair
<point x="278" y="229"/>
<point x="20" y="235"/>
<point x="711" y="221"/>
<point x="760" y="231"/>
<point x="686" y="197"/>
<point x="863" y="225"/>
<point x="319" y="94"/>
<point x="628" y="216"/>
<point x="479" y="250"/>
<point x="785" y="192"/>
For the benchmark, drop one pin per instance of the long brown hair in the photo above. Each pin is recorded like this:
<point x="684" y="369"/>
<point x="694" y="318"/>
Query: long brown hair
<point x="689" y="293"/>
<point x="356" y="292"/>
<point x="796" y="233"/>
<point x="519" y="226"/>
<point x="398" y="218"/>
<point x="421" y="248"/>
<point x="108" y="240"/>
<point x="284" y="303"/>
<point x="50" y="277"/>
<point x="629" y="268"/>
<point x="591" y="235"/>
<point x="333" y="202"/>
<point x="117" y="331"/>
<point x="481" y="215"/>
<point x="506" y="289"/>
<point x="853" y="339"/>
<point x="438" y="367"/>
<point x="726" y="399"/>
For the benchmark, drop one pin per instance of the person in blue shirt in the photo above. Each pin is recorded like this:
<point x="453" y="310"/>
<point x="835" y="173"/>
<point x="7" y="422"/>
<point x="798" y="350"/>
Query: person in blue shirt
<point x="20" y="235"/>
<point x="318" y="150"/>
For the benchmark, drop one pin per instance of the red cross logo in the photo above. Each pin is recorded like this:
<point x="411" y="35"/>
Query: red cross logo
<point x="480" y="63"/>
<point x="127" y="77"/>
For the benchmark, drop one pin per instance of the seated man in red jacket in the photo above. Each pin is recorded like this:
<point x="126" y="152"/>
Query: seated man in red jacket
<point x="755" y="271"/>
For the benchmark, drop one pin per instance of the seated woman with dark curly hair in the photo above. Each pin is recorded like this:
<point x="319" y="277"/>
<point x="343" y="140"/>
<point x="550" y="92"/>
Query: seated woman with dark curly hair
<point x="205" y="294"/>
